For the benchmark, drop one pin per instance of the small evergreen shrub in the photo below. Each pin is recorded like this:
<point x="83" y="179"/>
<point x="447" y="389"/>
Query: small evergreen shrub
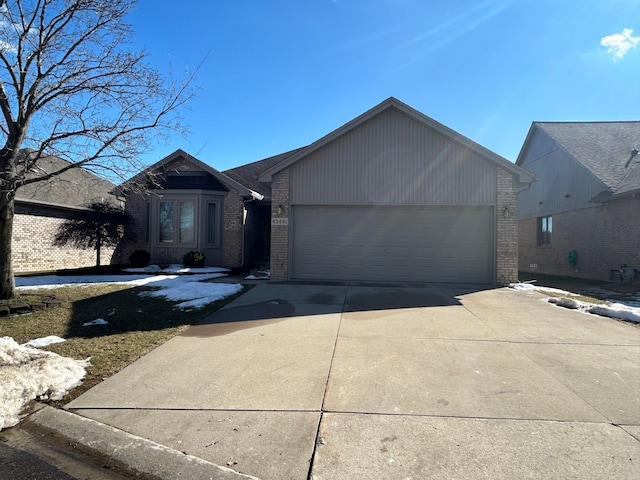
<point x="139" y="258"/>
<point x="193" y="259"/>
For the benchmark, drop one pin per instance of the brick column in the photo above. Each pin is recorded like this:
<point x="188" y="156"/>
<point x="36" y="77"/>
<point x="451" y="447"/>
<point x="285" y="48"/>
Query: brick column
<point x="280" y="233"/>
<point x="232" y="230"/>
<point x="506" y="229"/>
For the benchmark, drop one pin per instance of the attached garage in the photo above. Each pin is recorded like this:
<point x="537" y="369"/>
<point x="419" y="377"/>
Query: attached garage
<point x="394" y="195"/>
<point x="415" y="243"/>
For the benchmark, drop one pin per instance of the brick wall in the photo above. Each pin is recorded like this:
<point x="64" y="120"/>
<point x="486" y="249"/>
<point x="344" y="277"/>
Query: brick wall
<point x="232" y="230"/>
<point x="605" y="237"/>
<point x="506" y="229"/>
<point x="33" y="250"/>
<point x="135" y="235"/>
<point x="280" y="233"/>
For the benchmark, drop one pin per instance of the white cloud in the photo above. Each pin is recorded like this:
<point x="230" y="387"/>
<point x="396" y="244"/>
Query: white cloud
<point x="620" y="43"/>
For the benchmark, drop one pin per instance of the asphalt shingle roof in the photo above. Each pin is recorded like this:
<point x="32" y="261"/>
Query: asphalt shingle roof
<point x="74" y="188"/>
<point x="247" y="175"/>
<point x="604" y="148"/>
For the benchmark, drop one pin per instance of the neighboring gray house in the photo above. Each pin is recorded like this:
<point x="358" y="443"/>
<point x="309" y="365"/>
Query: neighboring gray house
<point x="392" y="195"/>
<point x="41" y="207"/>
<point x="586" y="199"/>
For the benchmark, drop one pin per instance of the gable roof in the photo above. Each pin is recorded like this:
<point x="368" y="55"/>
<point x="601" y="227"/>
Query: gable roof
<point x="524" y="177"/>
<point x="75" y="188"/>
<point x="248" y="174"/>
<point x="181" y="154"/>
<point x="603" y="148"/>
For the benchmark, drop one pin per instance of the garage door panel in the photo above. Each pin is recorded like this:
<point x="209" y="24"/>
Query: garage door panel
<point x="446" y="244"/>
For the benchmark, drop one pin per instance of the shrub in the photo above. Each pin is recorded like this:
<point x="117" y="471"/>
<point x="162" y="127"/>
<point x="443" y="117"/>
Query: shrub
<point x="193" y="259"/>
<point x="140" y="258"/>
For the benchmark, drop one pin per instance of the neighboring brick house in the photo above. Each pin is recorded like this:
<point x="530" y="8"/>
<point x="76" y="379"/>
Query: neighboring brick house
<point x="41" y="207"/>
<point x="392" y="195"/>
<point x="586" y="199"/>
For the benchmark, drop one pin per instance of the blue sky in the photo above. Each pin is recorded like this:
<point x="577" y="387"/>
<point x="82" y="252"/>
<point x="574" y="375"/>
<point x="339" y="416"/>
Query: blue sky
<point x="279" y="74"/>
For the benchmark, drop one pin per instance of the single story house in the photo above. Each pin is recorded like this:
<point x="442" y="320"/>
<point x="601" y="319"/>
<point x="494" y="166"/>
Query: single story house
<point x="41" y="207"/>
<point x="391" y="195"/>
<point x="581" y="218"/>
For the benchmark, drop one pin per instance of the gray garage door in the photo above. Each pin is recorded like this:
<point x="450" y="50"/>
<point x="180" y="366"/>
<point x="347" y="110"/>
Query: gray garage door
<point x="426" y="244"/>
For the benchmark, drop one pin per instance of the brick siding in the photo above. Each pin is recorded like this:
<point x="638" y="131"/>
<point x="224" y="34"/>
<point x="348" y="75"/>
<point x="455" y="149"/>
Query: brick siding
<point x="33" y="250"/>
<point x="605" y="237"/>
<point x="280" y="233"/>
<point x="506" y="229"/>
<point x="232" y="230"/>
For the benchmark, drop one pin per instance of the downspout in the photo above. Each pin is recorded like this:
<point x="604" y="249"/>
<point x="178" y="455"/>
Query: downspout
<point x="244" y="226"/>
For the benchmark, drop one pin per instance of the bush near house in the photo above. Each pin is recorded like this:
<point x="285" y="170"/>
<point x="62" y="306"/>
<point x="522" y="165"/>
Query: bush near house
<point x="193" y="259"/>
<point x="139" y="258"/>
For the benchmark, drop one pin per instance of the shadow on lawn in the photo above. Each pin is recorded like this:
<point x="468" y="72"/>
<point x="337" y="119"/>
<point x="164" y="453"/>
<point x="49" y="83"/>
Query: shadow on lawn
<point x="127" y="311"/>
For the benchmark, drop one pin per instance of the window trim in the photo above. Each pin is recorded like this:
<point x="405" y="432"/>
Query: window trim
<point x="544" y="229"/>
<point x="217" y="222"/>
<point x="176" y="202"/>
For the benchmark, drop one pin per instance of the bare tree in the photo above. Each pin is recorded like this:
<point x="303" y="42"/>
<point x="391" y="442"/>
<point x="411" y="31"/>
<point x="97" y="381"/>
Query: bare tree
<point x="72" y="86"/>
<point x="101" y="225"/>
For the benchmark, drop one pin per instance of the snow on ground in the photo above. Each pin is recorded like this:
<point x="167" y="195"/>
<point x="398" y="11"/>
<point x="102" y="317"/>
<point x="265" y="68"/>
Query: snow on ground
<point x="189" y="289"/>
<point x="623" y="311"/>
<point x="54" y="281"/>
<point x="28" y="373"/>
<point x="192" y="291"/>
<point x="259" y="275"/>
<point x="44" y="341"/>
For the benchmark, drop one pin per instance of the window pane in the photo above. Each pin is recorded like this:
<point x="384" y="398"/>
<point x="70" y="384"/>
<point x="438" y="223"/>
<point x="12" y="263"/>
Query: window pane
<point x="211" y="223"/>
<point x="187" y="222"/>
<point x="166" y="222"/>
<point x="549" y="224"/>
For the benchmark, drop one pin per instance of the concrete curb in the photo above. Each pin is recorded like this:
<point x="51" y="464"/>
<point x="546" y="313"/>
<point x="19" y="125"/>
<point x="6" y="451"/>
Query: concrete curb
<point x="135" y="454"/>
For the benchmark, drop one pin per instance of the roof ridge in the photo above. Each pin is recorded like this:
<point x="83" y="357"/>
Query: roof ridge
<point x="584" y="121"/>
<point x="287" y="153"/>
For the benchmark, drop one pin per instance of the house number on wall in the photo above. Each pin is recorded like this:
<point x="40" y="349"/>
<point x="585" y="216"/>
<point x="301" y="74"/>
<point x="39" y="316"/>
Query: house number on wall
<point x="280" y="221"/>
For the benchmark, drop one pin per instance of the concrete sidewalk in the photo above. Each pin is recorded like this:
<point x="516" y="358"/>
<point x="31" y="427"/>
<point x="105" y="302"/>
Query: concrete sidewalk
<point x="295" y="381"/>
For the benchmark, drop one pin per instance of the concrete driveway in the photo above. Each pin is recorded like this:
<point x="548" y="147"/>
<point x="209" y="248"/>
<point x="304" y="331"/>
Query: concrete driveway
<point x="295" y="381"/>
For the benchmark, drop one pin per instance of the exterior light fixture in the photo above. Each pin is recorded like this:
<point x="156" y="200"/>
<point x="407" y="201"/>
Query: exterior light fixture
<point x="280" y="210"/>
<point x="506" y="212"/>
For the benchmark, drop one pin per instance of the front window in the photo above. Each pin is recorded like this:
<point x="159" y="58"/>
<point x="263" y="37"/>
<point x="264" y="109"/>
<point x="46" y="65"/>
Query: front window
<point x="166" y="222"/>
<point x="212" y="223"/>
<point x="177" y="217"/>
<point x="187" y="222"/>
<point x="545" y="228"/>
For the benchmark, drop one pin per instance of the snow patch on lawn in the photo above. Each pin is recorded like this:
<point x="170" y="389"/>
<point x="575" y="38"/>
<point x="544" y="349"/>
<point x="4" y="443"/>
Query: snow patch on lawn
<point x="189" y="289"/>
<point x="27" y="374"/>
<point x="621" y="311"/>
<point x="44" y="341"/>
<point x="192" y="291"/>
<point x="176" y="268"/>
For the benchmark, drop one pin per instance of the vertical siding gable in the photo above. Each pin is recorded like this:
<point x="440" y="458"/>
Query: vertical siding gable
<point x="563" y="183"/>
<point x="393" y="159"/>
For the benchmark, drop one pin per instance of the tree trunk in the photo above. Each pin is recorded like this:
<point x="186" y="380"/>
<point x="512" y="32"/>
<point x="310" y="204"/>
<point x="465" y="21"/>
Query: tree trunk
<point x="98" y="245"/>
<point x="7" y="210"/>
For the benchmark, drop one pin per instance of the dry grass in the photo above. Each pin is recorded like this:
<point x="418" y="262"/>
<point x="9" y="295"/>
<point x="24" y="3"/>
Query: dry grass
<point x="592" y="291"/>
<point x="135" y="326"/>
